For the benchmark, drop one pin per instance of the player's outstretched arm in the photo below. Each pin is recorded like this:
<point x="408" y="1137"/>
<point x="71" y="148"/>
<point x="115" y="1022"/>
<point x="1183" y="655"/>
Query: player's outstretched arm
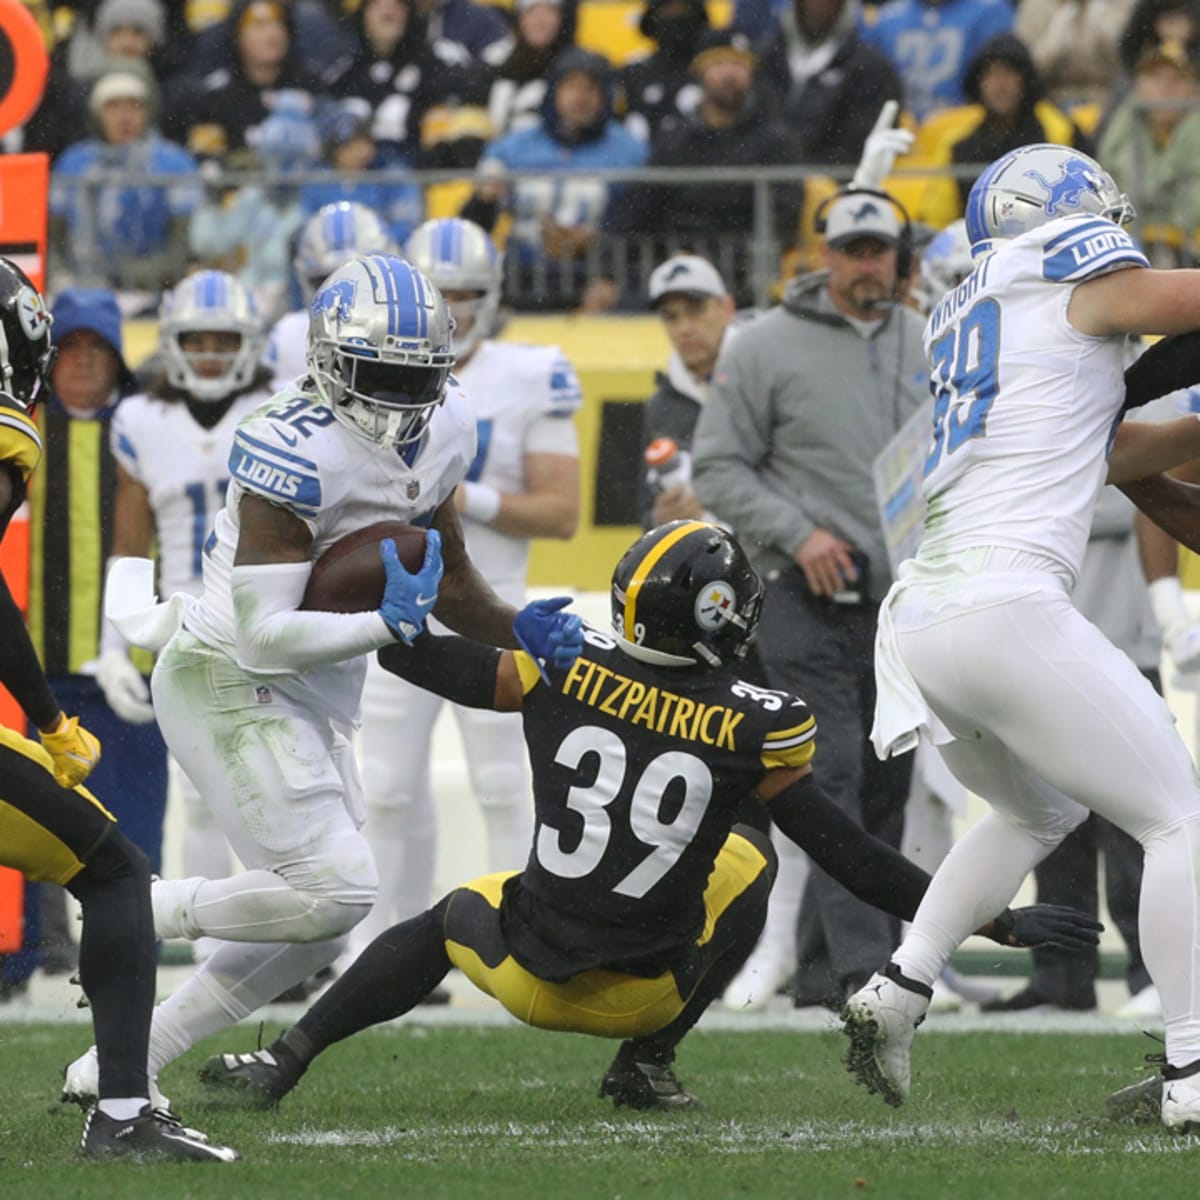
<point x="1137" y="300"/>
<point x="74" y="750"/>
<point x="466" y="602"/>
<point x="459" y="670"/>
<point x="1171" y="504"/>
<point x="882" y="877"/>
<point x="1142" y="448"/>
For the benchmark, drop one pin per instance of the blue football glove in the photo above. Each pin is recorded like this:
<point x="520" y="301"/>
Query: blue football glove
<point x="548" y="635"/>
<point x="409" y="599"/>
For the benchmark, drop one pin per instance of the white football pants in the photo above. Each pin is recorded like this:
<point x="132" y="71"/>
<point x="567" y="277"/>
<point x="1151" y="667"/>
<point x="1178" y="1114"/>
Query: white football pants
<point x="282" y="785"/>
<point x="402" y="822"/>
<point x="1049" y="720"/>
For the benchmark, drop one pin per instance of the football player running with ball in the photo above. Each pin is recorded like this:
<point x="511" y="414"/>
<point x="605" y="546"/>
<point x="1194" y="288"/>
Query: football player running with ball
<point x="257" y="697"/>
<point x="641" y="899"/>
<point x="979" y="648"/>
<point x="52" y="829"/>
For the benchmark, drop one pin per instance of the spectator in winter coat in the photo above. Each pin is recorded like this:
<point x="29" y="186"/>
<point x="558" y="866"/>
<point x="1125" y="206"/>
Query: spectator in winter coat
<point x="556" y="219"/>
<point x="823" y="80"/>
<point x="122" y="235"/>
<point x="662" y="86"/>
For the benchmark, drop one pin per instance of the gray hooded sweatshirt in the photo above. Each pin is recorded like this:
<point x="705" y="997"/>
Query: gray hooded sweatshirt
<point x="801" y="403"/>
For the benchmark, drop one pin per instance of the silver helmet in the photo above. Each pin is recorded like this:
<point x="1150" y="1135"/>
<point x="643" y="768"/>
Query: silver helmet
<point x="334" y="235"/>
<point x="945" y="263"/>
<point x="1034" y="184"/>
<point x="210" y="302"/>
<point x="379" y="338"/>
<point x="459" y="256"/>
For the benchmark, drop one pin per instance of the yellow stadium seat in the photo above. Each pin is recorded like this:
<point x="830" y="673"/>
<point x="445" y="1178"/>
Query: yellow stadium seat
<point x="610" y="27"/>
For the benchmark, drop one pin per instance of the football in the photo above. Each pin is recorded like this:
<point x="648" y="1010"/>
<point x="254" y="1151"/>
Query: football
<point x="349" y="576"/>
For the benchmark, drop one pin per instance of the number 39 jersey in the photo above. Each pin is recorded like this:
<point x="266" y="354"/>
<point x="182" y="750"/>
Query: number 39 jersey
<point x="638" y="773"/>
<point x="185" y="471"/>
<point x="1025" y="406"/>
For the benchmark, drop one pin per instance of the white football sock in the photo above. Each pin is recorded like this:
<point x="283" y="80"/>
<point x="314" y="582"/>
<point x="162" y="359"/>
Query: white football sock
<point x="238" y="979"/>
<point x="509" y="831"/>
<point x="123" y="1109"/>
<point x="1169" y="928"/>
<point x="975" y="882"/>
<point x="779" y="931"/>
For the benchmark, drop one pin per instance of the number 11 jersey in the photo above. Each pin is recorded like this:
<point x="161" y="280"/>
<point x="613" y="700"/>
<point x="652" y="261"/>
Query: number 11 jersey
<point x="1025" y="406"/>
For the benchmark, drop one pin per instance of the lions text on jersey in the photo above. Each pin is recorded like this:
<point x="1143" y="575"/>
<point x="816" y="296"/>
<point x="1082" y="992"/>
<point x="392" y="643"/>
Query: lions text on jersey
<point x="185" y="471"/>
<point x="1025" y="406"/>
<point x="293" y="452"/>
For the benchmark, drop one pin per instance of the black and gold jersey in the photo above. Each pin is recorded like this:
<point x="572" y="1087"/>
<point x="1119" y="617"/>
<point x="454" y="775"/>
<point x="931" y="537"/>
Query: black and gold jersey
<point x="638" y="773"/>
<point x="20" y="449"/>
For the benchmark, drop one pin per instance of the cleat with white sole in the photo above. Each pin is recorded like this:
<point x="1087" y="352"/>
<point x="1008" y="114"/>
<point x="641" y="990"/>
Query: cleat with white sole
<point x="150" y="1136"/>
<point x="880" y="1020"/>
<point x="1181" y="1097"/>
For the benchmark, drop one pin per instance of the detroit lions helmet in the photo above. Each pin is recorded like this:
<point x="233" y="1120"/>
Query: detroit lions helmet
<point x="26" y="354"/>
<point x="210" y="302"/>
<point x="379" y="338"/>
<point x="459" y="256"/>
<point x="334" y="235"/>
<point x="1034" y="184"/>
<point x="685" y="595"/>
<point x="945" y="263"/>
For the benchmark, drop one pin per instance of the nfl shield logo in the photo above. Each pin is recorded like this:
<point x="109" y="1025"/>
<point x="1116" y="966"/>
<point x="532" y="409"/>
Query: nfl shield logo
<point x="413" y="490"/>
<point x="262" y="695"/>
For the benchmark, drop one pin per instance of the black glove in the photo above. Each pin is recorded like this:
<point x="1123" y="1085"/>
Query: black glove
<point x="1045" y="925"/>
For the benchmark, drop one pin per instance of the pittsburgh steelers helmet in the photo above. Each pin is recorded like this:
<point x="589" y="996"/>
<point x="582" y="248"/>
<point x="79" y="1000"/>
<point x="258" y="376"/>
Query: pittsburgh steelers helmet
<point x="379" y="348"/>
<point x="459" y="256"/>
<point x="210" y="302"/>
<point x="685" y="594"/>
<point x="26" y="354"/>
<point x="1034" y="184"/>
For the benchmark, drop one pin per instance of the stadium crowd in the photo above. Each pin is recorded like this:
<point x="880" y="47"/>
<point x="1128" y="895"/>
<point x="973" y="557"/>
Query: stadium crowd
<point x="516" y="106"/>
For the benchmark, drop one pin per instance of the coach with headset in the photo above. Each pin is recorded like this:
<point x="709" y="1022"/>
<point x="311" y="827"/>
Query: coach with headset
<point x="800" y="405"/>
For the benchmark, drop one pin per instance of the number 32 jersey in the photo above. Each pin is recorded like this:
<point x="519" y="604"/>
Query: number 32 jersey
<point x="1025" y="406"/>
<point x="638" y="775"/>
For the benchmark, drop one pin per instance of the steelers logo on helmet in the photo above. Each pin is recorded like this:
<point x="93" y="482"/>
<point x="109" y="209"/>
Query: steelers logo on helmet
<point x="715" y="604"/>
<point x="31" y="312"/>
<point x="685" y="594"/>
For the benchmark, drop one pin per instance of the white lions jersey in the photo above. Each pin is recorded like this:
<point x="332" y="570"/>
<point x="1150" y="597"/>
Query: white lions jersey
<point x="287" y="345"/>
<point x="185" y="471"/>
<point x="293" y="452"/>
<point x="1025" y="406"/>
<point x="524" y="399"/>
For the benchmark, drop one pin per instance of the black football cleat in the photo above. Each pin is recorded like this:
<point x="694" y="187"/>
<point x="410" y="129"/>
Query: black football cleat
<point x="257" y="1080"/>
<point x="150" y="1136"/>
<point x="646" y="1086"/>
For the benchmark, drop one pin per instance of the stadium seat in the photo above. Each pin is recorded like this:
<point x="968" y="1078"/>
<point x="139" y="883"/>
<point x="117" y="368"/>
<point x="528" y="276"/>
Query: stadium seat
<point x="610" y="27"/>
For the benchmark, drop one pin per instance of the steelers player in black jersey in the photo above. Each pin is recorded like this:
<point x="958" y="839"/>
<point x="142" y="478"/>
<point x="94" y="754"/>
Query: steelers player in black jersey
<point x="641" y="898"/>
<point x="52" y="829"/>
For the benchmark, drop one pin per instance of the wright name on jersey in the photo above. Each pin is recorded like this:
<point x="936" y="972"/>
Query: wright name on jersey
<point x="638" y="772"/>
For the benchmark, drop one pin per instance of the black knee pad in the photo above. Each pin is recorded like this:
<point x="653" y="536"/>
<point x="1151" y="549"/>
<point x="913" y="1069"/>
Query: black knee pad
<point x="116" y="857"/>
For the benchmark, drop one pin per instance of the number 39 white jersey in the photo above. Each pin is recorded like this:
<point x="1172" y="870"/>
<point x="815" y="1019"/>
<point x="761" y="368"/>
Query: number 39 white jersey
<point x="185" y="471"/>
<point x="1025" y="406"/>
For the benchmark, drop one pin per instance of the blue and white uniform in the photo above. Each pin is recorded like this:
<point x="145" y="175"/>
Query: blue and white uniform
<point x="525" y="399"/>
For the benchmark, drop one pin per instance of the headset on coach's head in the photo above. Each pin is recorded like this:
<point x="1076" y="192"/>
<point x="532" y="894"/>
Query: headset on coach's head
<point x="904" y="243"/>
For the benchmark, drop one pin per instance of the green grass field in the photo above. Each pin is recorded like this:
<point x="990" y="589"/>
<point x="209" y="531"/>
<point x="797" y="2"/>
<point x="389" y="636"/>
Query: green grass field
<point x="431" y="1112"/>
